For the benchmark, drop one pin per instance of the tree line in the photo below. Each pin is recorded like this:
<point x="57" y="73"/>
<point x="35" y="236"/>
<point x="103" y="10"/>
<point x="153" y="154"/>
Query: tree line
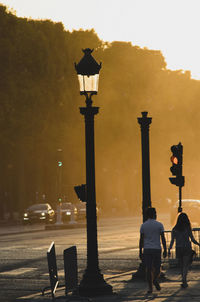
<point x="39" y="116"/>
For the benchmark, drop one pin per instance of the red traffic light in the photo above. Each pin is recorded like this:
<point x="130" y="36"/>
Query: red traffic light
<point x="174" y="160"/>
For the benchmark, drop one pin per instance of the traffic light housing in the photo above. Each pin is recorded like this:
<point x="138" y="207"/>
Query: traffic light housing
<point x="81" y="192"/>
<point x="178" y="181"/>
<point x="176" y="168"/>
<point x="177" y="159"/>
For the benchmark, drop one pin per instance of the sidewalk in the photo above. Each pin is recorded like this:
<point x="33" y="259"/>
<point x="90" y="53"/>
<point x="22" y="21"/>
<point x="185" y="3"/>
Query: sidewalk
<point x="127" y="290"/>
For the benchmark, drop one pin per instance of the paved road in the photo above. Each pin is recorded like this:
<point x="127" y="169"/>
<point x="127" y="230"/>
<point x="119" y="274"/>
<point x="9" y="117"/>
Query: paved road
<point x="23" y="263"/>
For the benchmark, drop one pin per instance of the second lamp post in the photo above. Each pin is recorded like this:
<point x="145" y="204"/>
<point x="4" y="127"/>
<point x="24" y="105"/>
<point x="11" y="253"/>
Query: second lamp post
<point x="144" y="122"/>
<point x="92" y="282"/>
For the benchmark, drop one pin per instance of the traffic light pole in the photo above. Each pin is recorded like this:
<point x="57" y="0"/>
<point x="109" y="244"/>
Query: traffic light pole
<point x="59" y="188"/>
<point x="180" y="200"/>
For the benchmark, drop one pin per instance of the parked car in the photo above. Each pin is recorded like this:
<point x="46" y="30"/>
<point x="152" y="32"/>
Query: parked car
<point x="67" y="208"/>
<point x="40" y="212"/>
<point x="189" y="206"/>
<point x="81" y="211"/>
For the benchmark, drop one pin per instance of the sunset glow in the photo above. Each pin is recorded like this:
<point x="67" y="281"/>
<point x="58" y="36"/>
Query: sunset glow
<point x="170" y="25"/>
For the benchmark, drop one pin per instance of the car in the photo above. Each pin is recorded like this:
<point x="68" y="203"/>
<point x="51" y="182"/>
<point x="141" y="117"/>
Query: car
<point x="189" y="206"/>
<point x="67" y="209"/>
<point x="40" y="212"/>
<point x="81" y="211"/>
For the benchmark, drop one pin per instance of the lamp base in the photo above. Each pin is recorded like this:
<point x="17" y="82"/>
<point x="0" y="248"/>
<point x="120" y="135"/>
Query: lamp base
<point x="94" y="285"/>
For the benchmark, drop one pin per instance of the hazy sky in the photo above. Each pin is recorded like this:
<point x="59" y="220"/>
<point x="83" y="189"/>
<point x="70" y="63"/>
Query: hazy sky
<point x="169" y="25"/>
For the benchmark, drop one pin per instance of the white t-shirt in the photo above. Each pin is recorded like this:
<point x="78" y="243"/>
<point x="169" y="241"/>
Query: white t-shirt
<point x="152" y="230"/>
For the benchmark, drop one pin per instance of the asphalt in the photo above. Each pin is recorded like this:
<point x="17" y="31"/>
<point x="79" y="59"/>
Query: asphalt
<point x="124" y="287"/>
<point x="6" y="229"/>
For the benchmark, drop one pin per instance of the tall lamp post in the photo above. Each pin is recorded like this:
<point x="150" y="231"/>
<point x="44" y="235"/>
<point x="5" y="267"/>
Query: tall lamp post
<point x="144" y="123"/>
<point x="92" y="283"/>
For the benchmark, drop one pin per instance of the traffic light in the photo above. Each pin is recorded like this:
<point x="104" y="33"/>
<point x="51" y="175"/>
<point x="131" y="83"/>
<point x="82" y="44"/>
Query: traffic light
<point x="81" y="192"/>
<point x="177" y="159"/>
<point x="178" y="181"/>
<point x="176" y="168"/>
<point x="59" y="164"/>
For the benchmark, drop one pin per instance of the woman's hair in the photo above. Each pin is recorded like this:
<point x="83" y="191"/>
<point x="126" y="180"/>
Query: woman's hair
<point x="182" y="222"/>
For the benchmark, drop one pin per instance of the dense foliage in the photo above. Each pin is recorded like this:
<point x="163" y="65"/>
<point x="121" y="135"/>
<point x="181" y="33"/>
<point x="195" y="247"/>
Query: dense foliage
<point x="39" y="114"/>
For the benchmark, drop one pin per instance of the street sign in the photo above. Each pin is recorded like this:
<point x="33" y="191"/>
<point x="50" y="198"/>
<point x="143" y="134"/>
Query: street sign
<point x="81" y="192"/>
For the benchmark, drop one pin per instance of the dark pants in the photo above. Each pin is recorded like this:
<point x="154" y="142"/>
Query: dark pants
<point x="184" y="257"/>
<point x="152" y="261"/>
<point x="152" y="258"/>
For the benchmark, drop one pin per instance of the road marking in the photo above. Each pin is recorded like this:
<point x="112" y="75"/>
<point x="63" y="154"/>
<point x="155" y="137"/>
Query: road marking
<point x="106" y="250"/>
<point x="61" y="273"/>
<point x="18" y="271"/>
<point x="39" y="294"/>
<point x="43" y="247"/>
<point x="17" y="247"/>
<point x="14" y="247"/>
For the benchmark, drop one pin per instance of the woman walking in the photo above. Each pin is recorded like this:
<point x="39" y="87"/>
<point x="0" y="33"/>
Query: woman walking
<point x="182" y="233"/>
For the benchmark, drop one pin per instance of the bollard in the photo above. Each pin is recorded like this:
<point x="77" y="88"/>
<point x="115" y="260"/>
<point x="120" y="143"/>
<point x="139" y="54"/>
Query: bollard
<point x="70" y="268"/>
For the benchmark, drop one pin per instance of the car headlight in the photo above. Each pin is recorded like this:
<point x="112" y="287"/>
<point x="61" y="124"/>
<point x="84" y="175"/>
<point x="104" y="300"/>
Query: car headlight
<point x="43" y="214"/>
<point x="25" y="214"/>
<point x="68" y="213"/>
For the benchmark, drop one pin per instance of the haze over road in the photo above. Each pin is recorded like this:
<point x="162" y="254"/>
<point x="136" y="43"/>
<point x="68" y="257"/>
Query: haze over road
<point x="23" y="262"/>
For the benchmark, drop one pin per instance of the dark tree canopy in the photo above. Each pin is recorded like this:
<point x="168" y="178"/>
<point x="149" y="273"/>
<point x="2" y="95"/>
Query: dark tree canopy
<point x="39" y="114"/>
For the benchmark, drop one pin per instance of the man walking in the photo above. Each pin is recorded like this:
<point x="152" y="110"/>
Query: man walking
<point x="150" y="247"/>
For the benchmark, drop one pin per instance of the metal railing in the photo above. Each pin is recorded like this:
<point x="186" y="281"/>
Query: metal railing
<point x="196" y="248"/>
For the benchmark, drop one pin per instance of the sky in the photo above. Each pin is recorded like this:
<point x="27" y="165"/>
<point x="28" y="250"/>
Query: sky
<point x="171" y="26"/>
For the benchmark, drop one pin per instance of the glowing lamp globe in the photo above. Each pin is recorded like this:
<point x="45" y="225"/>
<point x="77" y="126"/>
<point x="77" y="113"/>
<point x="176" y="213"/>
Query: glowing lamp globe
<point x="88" y="73"/>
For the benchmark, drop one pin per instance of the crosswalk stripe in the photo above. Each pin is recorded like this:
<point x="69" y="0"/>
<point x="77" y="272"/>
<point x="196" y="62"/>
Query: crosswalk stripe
<point x="61" y="273"/>
<point x="43" y="247"/>
<point x="14" y="247"/>
<point x="18" y="271"/>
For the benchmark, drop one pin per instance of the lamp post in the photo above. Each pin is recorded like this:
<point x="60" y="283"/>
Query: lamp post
<point x="92" y="283"/>
<point x="144" y="122"/>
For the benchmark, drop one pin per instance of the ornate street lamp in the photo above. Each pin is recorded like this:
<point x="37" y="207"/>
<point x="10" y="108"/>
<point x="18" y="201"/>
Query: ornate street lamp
<point x="92" y="283"/>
